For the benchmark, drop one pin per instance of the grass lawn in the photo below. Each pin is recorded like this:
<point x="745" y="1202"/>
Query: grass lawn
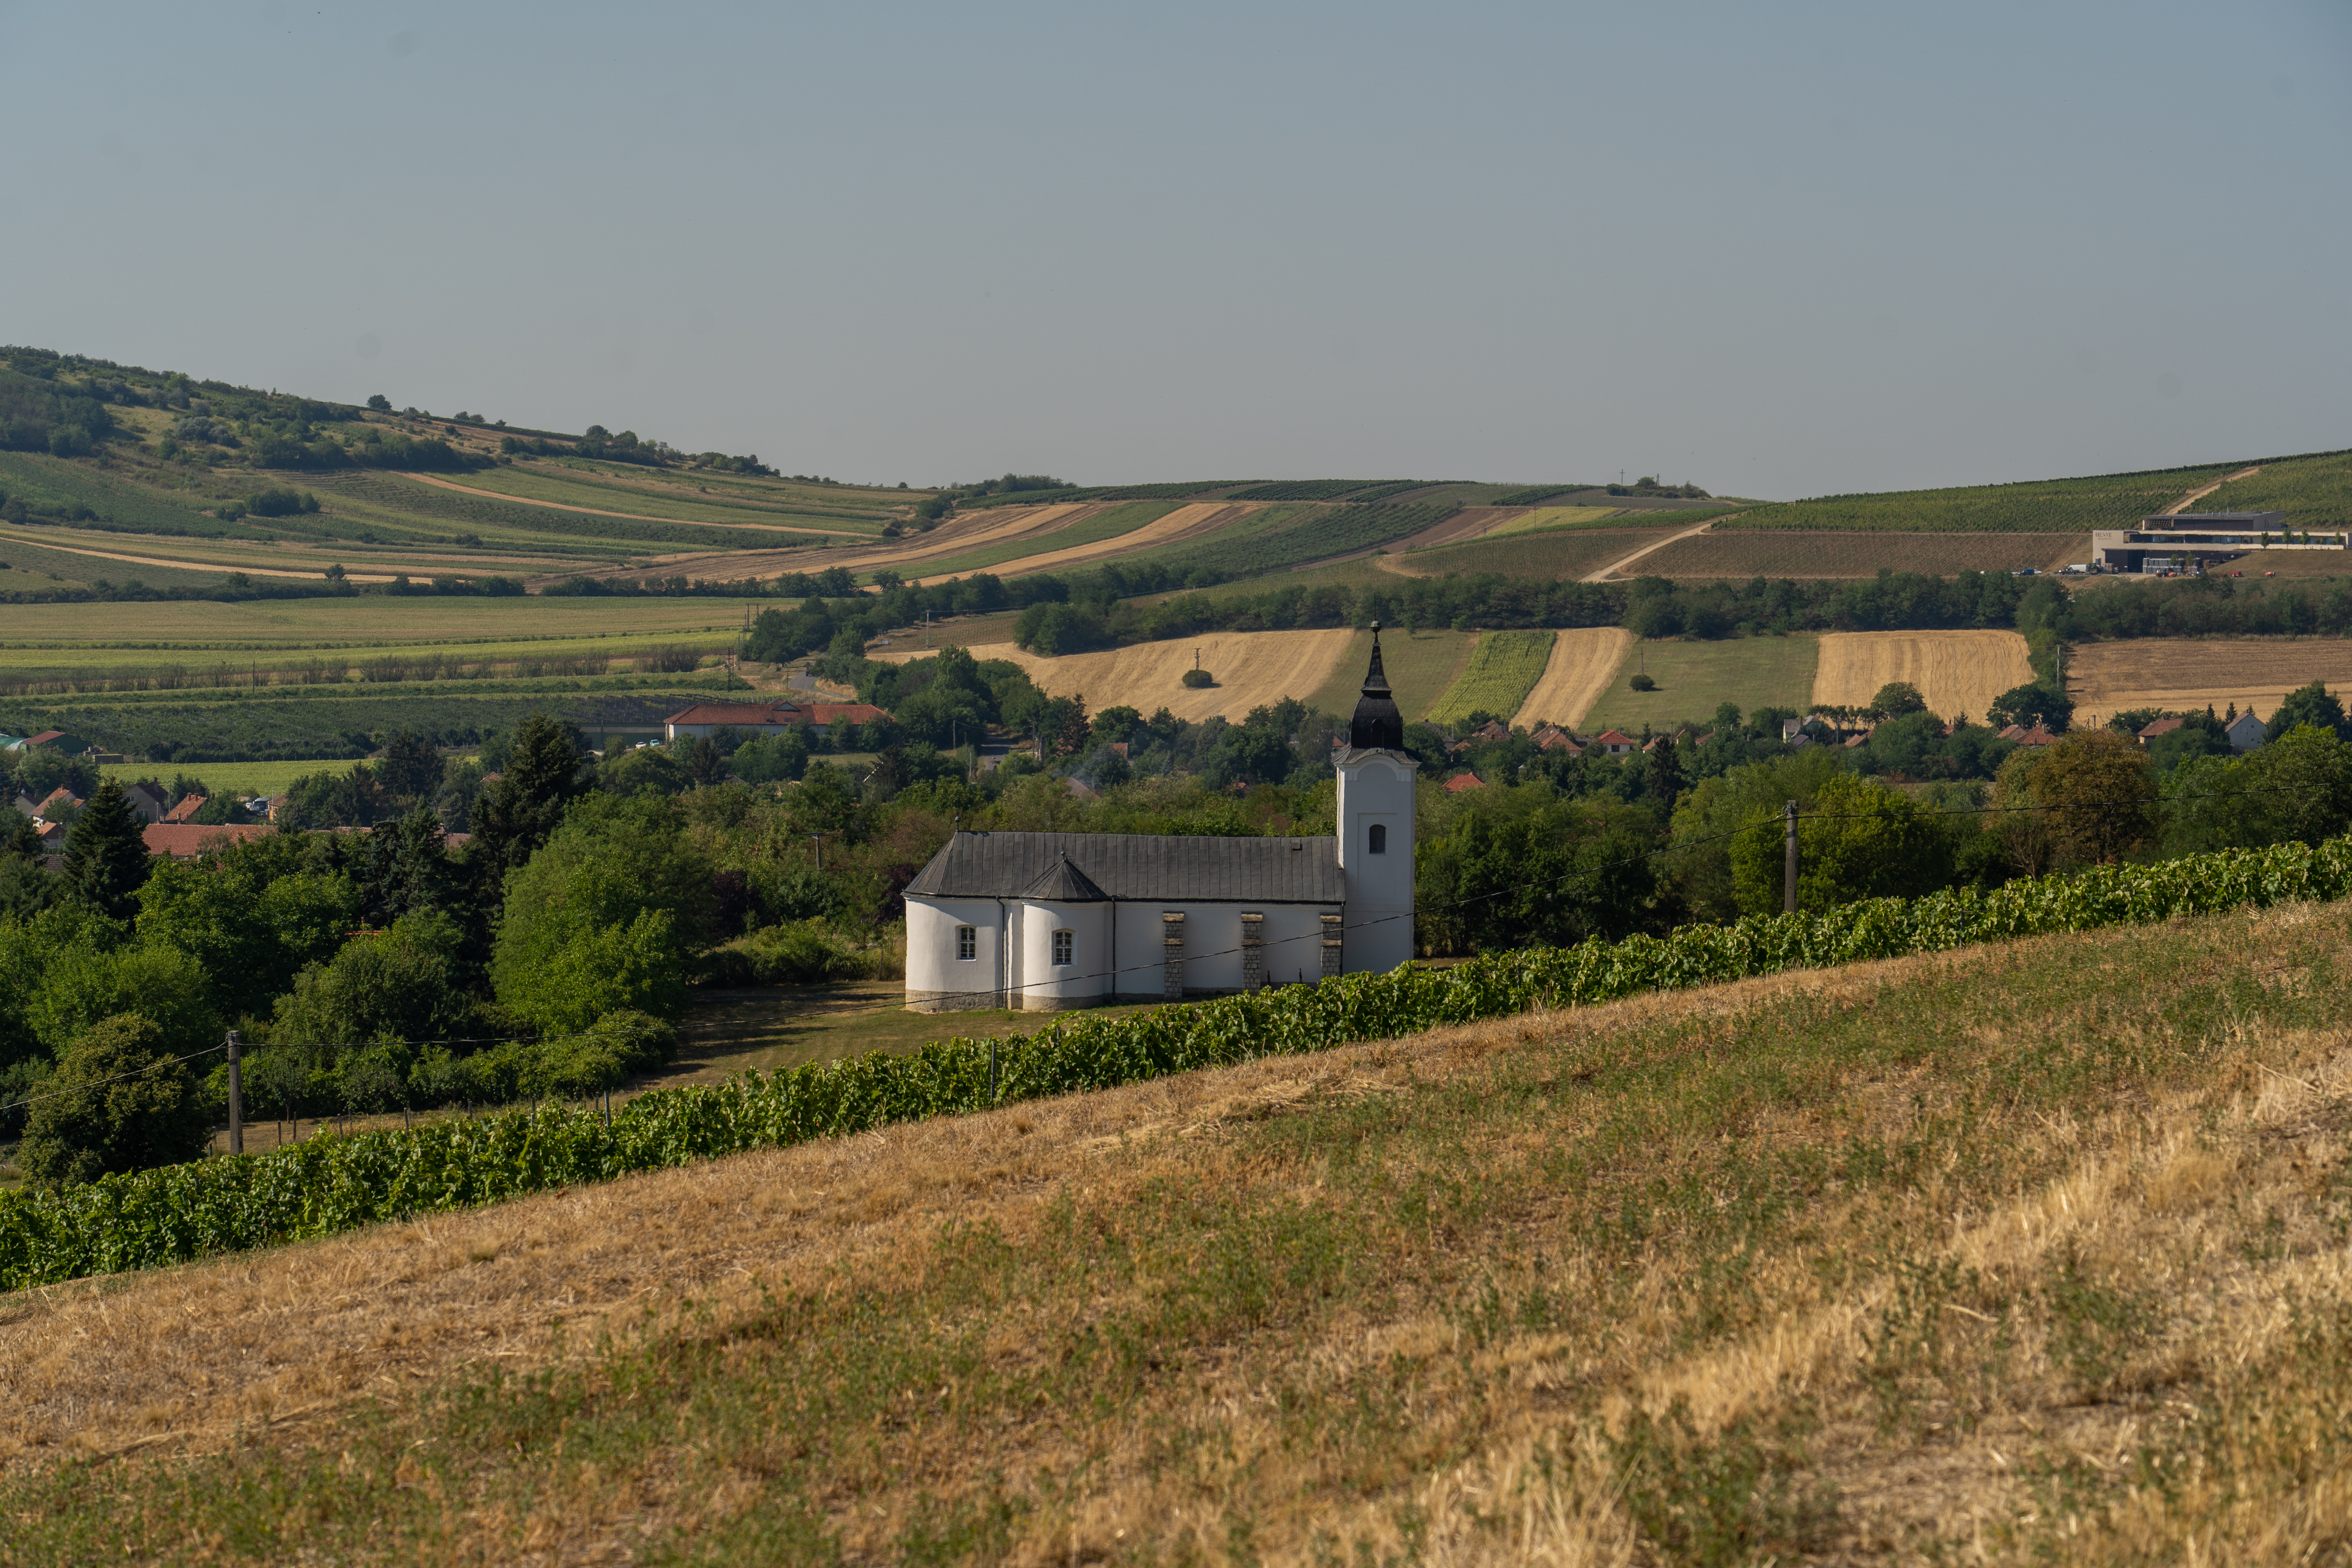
<point x="247" y="779"/>
<point x="1695" y="677"/>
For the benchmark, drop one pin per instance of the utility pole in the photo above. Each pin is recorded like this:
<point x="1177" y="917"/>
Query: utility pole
<point x="1788" y="874"/>
<point x="236" y="1098"/>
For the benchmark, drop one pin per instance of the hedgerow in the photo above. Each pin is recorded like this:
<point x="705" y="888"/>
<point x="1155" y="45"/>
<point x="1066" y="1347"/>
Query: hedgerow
<point x="330" y="1184"/>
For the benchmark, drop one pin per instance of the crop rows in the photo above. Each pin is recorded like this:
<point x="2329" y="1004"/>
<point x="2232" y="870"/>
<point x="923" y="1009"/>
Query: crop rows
<point x="1504" y="668"/>
<point x="1536" y="495"/>
<point x="330" y="1184"/>
<point x="2042" y="506"/>
<point x="1310" y="534"/>
<point x="2314" y="492"/>
<point x="1318" y="489"/>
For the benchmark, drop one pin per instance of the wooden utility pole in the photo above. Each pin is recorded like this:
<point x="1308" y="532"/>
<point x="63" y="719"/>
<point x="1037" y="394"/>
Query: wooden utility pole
<point x="1788" y="873"/>
<point x="236" y="1098"/>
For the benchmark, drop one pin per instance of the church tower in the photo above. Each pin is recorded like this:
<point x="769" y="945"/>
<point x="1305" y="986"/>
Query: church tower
<point x="1376" y="819"/>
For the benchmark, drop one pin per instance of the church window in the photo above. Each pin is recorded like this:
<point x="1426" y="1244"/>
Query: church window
<point x="967" y="942"/>
<point x="1379" y="844"/>
<point x="1062" y="942"/>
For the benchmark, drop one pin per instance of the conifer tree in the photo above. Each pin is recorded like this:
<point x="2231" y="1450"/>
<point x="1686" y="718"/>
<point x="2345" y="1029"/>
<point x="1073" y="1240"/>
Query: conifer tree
<point x="106" y="853"/>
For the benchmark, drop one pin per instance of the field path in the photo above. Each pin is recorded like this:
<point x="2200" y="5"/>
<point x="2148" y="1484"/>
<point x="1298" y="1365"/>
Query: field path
<point x="1957" y="672"/>
<point x="1584" y="662"/>
<point x="2193" y="497"/>
<point x="633" y="516"/>
<point x="1185" y="523"/>
<point x="189" y="565"/>
<point x="2183" y="673"/>
<point x="1623" y="561"/>
<point x="1253" y="669"/>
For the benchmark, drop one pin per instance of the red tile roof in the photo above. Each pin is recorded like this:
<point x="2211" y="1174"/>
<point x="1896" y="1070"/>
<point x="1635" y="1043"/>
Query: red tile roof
<point x="1463" y="783"/>
<point x="57" y="794"/>
<point x="183" y="840"/>
<point x="44" y="737"/>
<point x="2161" y="727"/>
<point x="189" y="806"/>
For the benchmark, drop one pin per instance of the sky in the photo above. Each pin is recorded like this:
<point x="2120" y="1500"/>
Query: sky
<point x="1775" y="251"/>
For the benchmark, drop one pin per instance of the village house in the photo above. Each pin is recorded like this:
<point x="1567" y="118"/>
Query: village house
<point x="764" y="718"/>
<point x="148" y="801"/>
<point x="2245" y="731"/>
<point x="186" y="841"/>
<point x="1052" y="920"/>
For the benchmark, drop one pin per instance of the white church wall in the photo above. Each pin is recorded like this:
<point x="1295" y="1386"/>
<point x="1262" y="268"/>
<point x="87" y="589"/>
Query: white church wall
<point x="1047" y="986"/>
<point x="1376" y="792"/>
<point x="936" y="980"/>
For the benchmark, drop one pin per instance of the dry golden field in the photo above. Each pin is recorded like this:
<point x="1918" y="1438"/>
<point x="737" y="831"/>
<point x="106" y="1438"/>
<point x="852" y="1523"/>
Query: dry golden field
<point x="1253" y="669"/>
<point x="1736" y="555"/>
<point x="1930" y="1260"/>
<point x="1957" y="672"/>
<point x="1583" y="661"/>
<point x="2106" y="678"/>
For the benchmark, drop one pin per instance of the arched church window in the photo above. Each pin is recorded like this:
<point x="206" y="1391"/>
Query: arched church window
<point x="1378" y="842"/>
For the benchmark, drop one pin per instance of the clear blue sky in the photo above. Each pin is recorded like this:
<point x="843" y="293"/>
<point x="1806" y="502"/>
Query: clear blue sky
<point x="1776" y="250"/>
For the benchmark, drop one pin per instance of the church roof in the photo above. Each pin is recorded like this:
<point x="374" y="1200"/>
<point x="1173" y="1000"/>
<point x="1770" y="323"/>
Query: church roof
<point x="1378" y="724"/>
<point x="1062" y="883"/>
<point x="1134" y="867"/>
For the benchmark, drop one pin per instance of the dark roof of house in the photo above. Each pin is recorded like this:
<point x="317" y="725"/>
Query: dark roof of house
<point x="1062" y="883"/>
<point x="1136" y="867"/>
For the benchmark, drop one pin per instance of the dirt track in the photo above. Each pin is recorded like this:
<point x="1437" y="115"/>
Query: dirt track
<point x="1957" y="672"/>
<point x="1253" y="669"/>
<point x="1584" y="661"/>
<point x="195" y="565"/>
<point x="1620" y="565"/>
<point x="2105" y="678"/>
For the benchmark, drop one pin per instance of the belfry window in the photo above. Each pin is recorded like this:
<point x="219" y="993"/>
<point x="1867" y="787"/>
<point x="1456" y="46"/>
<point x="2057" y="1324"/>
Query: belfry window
<point x="1378" y="840"/>
<point x="967" y="942"/>
<point x="1062" y="942"/>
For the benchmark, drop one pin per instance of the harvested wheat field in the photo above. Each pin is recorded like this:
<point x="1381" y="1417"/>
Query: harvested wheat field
<point x="1190" y="521"/>
<point x="1252" y="668"/>
<point x="2105" y="678"/>
<point x="1957" y="672"/>
<point x="1584" y="661"/>
<point x="1928" y="1260"/>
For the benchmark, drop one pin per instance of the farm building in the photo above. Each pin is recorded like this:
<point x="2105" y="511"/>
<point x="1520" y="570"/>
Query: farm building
<point x="709" y="717"/>
<point x="1054" y="920"/>
<point x="1615" y="742"/>
<point x="2245" y="731"/>
<point x="2182" y="540"/>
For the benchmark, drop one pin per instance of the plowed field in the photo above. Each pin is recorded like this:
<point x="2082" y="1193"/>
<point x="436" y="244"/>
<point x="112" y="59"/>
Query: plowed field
<point x="1583" y="661"/>
<point x="1253" y="669"/>
<point x="1957" y="672"/>
<point x="2105" y="678"/>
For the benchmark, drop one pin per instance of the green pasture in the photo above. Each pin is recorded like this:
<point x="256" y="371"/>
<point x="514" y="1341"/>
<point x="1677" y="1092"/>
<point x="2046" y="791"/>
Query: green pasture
<point x="245" y="779"/>
<point x="1695" y="678"/>
<point x="1503" y="668"/>
<point x="366" y="622"/>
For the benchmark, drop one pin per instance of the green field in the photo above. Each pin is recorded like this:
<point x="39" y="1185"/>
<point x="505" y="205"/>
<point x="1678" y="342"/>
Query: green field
<point x="2033" y="506"/>
<point x="2314" y="492"/>
<point x="1286" y="536"/>
<point x="1565" y="555"/>
<point x="1421" y="667"/>
<point x="1109" y="524"/>
<point x="1695" y="677"/>
<point x="1503" y="668"/>
<point x="243" y="779"/>
<point x="362" y="622"/>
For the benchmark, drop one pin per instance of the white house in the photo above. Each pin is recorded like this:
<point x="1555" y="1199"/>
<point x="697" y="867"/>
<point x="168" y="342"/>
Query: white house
<point x="1052" y="920"/>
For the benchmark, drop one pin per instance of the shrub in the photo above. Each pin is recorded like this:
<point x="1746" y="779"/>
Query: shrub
<point x="1199" y="678"/>
<point x="118" y="1102"/>
<point x="1644" y="683"/>
<point x="280" y="500"/>
<point x="800" y="952"/>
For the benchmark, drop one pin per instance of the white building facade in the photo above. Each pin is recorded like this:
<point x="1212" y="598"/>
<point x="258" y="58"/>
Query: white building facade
<point x="1045" y="922"/>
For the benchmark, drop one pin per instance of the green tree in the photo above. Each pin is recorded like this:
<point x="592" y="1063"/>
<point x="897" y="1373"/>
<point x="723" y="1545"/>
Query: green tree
<point x="106" y="853"/>
<point x="1858" y="840"/>
<point x="116" y="1102"/>
<point x="1897" y="697"/>
<point x="598" y="970"/>
<point x="1518" y="866"/>
<point x="2095" y="797"/>
<point x="515" y="815"/>
<point x="2309" y="705"/>
<point x="1715" y="814"/>
<point x="392" y="987"/>
<point x="411" y="768"/>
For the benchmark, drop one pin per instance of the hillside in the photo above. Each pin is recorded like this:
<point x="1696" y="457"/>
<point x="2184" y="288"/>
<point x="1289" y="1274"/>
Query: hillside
<point x="2026" y="1252"/>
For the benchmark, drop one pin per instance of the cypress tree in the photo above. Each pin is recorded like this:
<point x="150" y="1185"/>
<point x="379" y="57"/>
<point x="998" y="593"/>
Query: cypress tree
<point x="106" y="853"/>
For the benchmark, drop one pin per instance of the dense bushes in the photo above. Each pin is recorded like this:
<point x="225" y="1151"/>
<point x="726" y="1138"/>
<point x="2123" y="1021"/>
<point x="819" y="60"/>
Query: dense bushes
<point x="330" y="1184"/>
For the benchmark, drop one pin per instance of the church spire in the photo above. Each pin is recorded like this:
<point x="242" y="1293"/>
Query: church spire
<point x="1377" y="724"/>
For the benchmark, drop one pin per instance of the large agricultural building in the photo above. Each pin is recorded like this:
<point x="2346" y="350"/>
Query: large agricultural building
<point x="2173" y="540"/>
<point x="1051" y="920"/>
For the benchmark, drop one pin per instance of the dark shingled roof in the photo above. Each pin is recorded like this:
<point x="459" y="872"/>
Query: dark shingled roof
<point x="1136" y="867"/>
<point x="1062" y="883"/>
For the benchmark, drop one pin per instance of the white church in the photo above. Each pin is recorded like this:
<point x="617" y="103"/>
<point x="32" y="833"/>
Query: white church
<point x="1050" y="921"/>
